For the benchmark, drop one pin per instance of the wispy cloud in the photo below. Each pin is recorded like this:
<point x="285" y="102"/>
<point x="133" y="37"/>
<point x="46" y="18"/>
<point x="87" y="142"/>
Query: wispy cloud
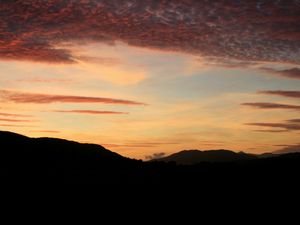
<point x="21" y="97"/>
<point x="45" y="131"/>
<point x="288" y="149"/>
<point x="14" y="115"/>
<point x="239" y="30"/>
<point x="14" y="125"/>
<point x="44" y="80"/>
<point x="93" y="112"/>
<point x="267" y="105"/>
<point x="14" y="120"/>
<point x="271" y="131"/>
<point x="286" y="126"/>
<point x="155" y="156"/>
<point x="291" y="94"/>
<point x="289" y="73"/>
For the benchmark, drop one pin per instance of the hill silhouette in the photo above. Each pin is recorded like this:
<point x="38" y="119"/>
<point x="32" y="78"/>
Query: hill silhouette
<point x="190" y="157"/>
<point x="25" y="160"/>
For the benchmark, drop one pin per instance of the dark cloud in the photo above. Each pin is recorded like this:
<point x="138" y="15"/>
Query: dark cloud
<point x="294" y="121"/>
<point x="290" y="73"/>
<point x="20" y="97"/>
<point x="155" y="156"/>
<point x="272" y="131"/>
<point x="249" y="30"/>
<point x="93" y="112"/>
<point x="291" y="94"/>
<point x="267" y="105"/>
<point x="286" y="126"/>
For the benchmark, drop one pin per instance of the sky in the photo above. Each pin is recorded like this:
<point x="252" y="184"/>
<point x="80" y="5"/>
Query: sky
<point x="153" y="77"/>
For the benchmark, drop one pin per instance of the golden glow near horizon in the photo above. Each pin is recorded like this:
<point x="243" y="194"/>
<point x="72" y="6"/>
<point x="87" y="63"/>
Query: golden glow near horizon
<point x="188" y="104"/>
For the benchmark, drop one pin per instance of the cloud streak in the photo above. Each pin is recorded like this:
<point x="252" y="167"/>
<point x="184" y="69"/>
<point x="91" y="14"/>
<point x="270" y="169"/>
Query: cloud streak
<point x="14" y="120"/>
<point x="287" y="126"/>
<point x="267" y="105"/>
<point x="14" y="115"/>
<point x="290" y="94"/>
<point x="20" y="97"/>
<point x="289" y="73"/>
<point x="92" y="112"/>
<point x="249" y="30"/>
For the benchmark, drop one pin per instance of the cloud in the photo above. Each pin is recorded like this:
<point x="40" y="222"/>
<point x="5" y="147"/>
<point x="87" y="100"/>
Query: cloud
<point x="141" y="144"/>
<point x="14" y="125"/>
<point x="249" y="30"/>
<point x="39" y="80"/>
<point x="20" y="97"/>
<point x="288" y="149"/>
<point x="267" y="105"/>
<point x="45" y="131"/>
<point x="93" y="112"/>
<point x="271" y="131"/>
<point x="286" y="126"/>
<point x="291" y="94"/>
<point x="155" y="156"/>
<point x="14" y="120"/>
<point x="294" y="121"/>
<point x="14" y="115"/>
<point x="289" y="73"/>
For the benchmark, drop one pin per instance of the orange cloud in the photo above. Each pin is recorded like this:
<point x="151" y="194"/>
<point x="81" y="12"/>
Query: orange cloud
<point x="93" y="112"/>
<point x="14" y="115"/>
<point x="13" y="120"/>
<point x="45" y="131"/>
<point x="20" y="97"/>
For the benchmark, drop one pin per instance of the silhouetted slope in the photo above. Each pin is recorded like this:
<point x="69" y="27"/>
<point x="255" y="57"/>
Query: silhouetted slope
<point x="46" y="158"/>
<point x="26" y="160"/>
<point x="190" y="157"/>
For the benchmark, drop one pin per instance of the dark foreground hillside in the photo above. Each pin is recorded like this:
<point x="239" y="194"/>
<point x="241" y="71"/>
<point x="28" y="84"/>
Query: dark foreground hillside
<point x="26" y="160"/>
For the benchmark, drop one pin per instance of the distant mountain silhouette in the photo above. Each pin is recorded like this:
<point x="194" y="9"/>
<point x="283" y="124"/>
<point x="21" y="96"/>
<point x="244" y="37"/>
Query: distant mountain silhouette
<point x="26" y="160"/>
<point x="190" y="157"/>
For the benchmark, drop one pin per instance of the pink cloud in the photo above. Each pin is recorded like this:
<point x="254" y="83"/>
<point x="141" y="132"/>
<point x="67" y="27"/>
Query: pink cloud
<point x="93" y="112"/>
<point x="21" y="97"/>
<point x="240" y="30"/>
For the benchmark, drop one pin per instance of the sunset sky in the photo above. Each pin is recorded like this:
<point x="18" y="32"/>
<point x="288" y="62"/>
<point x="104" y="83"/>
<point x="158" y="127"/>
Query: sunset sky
<point x="145" y="77"/>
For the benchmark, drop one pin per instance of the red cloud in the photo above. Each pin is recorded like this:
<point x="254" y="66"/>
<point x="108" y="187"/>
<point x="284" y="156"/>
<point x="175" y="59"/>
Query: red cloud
<point x="95" y="112"/>
<point x="267" y="105"/>
<point x="291" y="94"/>
<point x="249" y="30"/>
<point x="19" y="97"/>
